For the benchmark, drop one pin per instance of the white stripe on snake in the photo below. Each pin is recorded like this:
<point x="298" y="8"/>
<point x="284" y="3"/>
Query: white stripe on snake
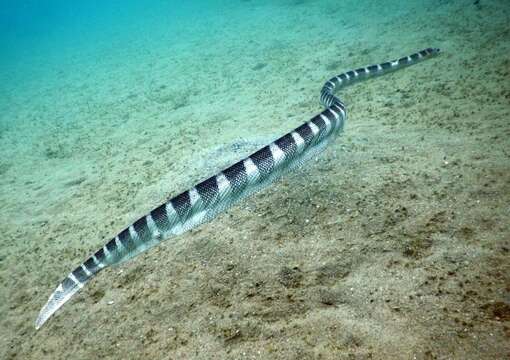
<point x="215" y="194"/>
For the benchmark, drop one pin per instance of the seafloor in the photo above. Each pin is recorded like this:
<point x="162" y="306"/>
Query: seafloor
<point x="395" y="243"/>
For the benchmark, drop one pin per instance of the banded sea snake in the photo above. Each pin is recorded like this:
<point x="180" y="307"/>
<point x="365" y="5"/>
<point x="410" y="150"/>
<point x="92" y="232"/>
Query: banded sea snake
<point x="214" y="195"/>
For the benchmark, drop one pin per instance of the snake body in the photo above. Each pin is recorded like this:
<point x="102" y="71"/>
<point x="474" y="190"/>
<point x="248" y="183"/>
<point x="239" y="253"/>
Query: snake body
<point x="214" y="195"/>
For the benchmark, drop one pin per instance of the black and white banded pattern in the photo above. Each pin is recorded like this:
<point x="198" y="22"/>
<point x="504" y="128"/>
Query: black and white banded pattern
<point x="207" y="199"/>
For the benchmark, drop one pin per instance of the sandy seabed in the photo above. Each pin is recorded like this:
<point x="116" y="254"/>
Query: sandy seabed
<point x="394" y="243"/>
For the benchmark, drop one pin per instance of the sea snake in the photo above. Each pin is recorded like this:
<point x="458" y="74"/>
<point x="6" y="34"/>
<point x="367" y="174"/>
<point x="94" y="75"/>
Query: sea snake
<point x="214" y="195"/>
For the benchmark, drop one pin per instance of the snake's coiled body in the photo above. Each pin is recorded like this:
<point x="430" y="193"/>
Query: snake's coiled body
<point x="214" y="195"/>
